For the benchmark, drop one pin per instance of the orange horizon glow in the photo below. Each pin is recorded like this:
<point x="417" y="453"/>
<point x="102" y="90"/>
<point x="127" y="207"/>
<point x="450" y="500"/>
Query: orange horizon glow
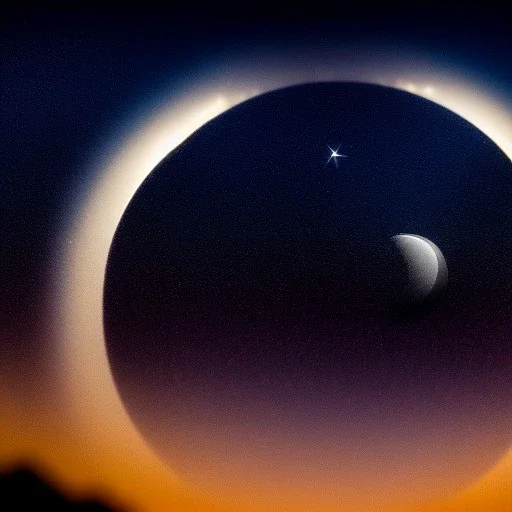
<point x="81" y="470"/>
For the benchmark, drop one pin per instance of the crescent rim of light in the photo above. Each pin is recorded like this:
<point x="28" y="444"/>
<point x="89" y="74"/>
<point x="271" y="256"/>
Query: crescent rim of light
<point x="441" y="271"/>
<point x="88" y="389"/>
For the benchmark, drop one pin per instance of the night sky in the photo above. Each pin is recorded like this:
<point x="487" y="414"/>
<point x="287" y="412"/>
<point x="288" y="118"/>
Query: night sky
<point x="254" y="297"/>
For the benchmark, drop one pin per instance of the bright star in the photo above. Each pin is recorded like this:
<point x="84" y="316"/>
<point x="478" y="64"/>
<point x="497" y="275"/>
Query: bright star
<point x="335" y="155"/>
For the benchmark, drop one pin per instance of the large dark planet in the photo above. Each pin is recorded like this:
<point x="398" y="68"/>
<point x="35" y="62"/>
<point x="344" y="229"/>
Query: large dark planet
<point x="255" y="308"/>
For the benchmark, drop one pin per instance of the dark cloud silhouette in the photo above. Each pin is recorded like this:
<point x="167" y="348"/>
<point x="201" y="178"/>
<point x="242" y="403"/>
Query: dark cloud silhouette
<point x="24" y="489"/>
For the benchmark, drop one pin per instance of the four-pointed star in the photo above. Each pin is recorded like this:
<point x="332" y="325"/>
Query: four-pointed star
<point x="335" y="155"/>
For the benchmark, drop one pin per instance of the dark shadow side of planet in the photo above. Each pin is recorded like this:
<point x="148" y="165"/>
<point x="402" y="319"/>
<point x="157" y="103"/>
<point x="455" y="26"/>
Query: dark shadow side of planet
<point x="247" y="270"/>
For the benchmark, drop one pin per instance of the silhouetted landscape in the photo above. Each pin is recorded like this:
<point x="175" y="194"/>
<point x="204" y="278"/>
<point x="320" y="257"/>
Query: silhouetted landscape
<point x="24" y="489"/>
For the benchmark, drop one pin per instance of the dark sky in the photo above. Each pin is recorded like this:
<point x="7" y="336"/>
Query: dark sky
<point x="69" y="78"/>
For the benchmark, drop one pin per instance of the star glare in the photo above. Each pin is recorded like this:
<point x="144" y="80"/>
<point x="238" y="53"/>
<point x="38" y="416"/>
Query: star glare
<point x="335" y="155"/>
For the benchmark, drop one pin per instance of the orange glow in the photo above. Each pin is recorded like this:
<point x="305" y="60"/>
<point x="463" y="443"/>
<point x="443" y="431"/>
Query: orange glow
<point x="84" y="465"/>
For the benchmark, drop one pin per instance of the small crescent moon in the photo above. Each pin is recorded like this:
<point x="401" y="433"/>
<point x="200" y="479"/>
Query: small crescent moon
<point x="426" y="266"/>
